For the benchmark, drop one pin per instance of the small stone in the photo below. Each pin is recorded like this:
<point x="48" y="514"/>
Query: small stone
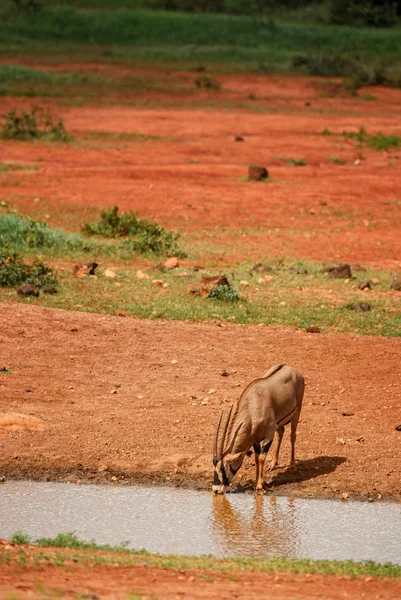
<point x="50" y="290"/>
<point x="80" y="270"/>
<point x="341" y="271"/>
<point x="141" y="275"/>
<point x="244" y="283"/>
<point x="375" y="280"/>
<point x="102" y="468"/>
<point x="113" y="392"/>
<point x="347" y="414"/>
<point x="257" y="173"/>
<point x="74" y="329"/>
<point x="398" y="427"/>
<point x="70" y="387"/>
<point x="114" y="478"/>
<point x="239" y="138"/>
<point x="204" y="402"/>
<point x="157" y="282"/>
<point x="360" y="439"/>
<point x="364" y="285"/>
<point x="396" y="283"/>
<point x="361" y="307"/>
<point x="224" y="373"/>
<point x="340" y="441"/>
<point x="174" y="361"/>
<point x="171" y="263"/>
<point x="210" y="392"/>
<point x="27" y="289"/>
<point x="110" y="273"/>
<point x="313" y="329"/>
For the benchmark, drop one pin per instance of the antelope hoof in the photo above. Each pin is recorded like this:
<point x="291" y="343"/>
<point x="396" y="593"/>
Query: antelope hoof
<point x="272" y="466"/>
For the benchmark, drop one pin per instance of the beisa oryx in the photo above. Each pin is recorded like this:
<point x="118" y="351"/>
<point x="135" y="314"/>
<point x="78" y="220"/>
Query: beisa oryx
<point x="264" y="408"/>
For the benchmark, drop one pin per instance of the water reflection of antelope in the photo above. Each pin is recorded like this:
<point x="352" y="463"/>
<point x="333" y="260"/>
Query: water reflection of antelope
<point x="264" y="408"/>
<point x="269" y="528"/>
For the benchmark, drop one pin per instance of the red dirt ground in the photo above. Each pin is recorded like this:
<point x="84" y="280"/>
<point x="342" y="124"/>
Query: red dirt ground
<point x="97" y="393"/>
<point x="119" y="583"/>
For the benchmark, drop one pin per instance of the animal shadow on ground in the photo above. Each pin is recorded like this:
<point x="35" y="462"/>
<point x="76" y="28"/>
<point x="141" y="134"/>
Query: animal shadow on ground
<point x="305" y="470"/>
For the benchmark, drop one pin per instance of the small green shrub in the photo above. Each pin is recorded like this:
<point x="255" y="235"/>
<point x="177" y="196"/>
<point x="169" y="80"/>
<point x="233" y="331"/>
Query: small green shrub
<point x="206" y="82"/>
<point x="142" y="236"/>
<point x="296" y="162"/>
<point x="337" y="161"/>
<point x="36" y="124"/>
<point x="378" y="141"/>
<point x="14" y="271"/>
<point x="224" y="293"/>
<point x="327" y="64"/>
<point x="21" y="538"/>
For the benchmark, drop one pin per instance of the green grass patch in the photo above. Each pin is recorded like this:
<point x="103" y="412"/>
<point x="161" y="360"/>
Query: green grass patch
<point x="33" y="125"/>
<point x="207" y="82"/>
<point x="377" y="141"/>
<point x="337" y="161"/>
<point x="296" y="162"/>
<point x="88" y="553"/>
<point x="5" y="167"/>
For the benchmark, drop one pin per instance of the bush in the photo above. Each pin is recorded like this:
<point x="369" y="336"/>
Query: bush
<point x="14" y="271"/>
<point x="142" y="235"/>
<point x="327" y="64"/>
<point x="36" y="124"/>
<point x="225" y="293"/>
<point x="374" y="13"/>
<point x="378" y="141"/>
<point x="206" y="82"/>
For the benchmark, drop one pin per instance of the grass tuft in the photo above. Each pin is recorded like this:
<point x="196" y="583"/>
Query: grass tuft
<point x="33" y="125"/>
<point x="14" y="271"/>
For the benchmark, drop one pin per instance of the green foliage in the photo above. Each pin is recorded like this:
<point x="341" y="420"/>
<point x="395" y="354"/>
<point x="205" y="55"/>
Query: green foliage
<point x="296" y="162"/>
<point x="206" y="82"/>
<point x="14" y="271"/>
<point x="378" y="141"/>
<point x="224" y="293"/>
<point x="21" y="538"/>
<point x="36" y="124"/>
<point x="337" y="161"/>
<point x="24" y="234"/>
<point x="142" y="236"/>
<point x="326" y="64"/>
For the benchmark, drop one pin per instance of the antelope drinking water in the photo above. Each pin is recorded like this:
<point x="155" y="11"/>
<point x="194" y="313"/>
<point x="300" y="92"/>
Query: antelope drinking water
<point x="265" y="406"/>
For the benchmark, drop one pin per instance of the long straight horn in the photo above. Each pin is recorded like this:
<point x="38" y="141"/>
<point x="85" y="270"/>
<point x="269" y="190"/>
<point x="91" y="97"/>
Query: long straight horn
<point x="223" y="437"/>
<point x="216" y="435"/>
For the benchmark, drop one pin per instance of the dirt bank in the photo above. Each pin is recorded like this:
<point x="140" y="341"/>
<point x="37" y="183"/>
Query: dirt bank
<point x="138" y="401"/>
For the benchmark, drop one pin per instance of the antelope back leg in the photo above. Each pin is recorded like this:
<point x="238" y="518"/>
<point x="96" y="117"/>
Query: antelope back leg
<point x="280" y="433"/>
<point x="265" y="446"/>
<point x="256" y="448"/>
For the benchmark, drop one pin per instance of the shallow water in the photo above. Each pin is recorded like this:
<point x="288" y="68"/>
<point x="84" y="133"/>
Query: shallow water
<point x="169" y="520"/>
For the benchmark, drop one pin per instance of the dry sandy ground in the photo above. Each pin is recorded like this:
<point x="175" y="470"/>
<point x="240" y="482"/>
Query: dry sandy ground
<point x="125" y="398"/>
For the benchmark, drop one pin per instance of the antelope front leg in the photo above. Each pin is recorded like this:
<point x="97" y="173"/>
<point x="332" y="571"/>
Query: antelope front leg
<point x="261" y="460"/>
<point x="294" y="424"/>
<point x="280" y="433"/>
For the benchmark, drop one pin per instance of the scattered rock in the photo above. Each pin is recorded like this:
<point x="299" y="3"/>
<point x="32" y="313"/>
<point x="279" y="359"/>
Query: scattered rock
<point x="207" y="284"/>
<point x="141" y="275"/>
<point x="204" y="402"/>
<point x="110" y="273"/>
<point x="244" y="283"/>
<point x="265" y="279"/>
<point x="212" y="391"/>
<point x="171" y="263"/>
<point x="174" y="361"/>
<point x="365" y="285"/>
<point x="239" y="138"/>
<point x="198" y="268"/>
<point x="361" y="307"/>
<point x="344" y="496"/>
<point x="375" y="280"/>
<point x="27" y="289"/>
<point x="225" y="373"/>
<point x="340" y="441"/>
<point x="341" y="271"/>
<point x="360" y="439"/>
<point x="2" y="479"/>
<point x="398" y="427"/>
<point x="50" y="290"/>
<point x="81" y="270"/>
<point x="313" y="329"/>
<point x="257" y="173"/>
<point x="347" y="414"/>
<point x="157" y="282"/>
<point x="260" y="268"/>
<point x="102" y="468"/>
<point x="74" y="329"/>
<point x="396" y="283"/>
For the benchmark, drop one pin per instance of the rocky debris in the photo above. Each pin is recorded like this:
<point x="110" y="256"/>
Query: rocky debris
<point x="244" y="282"/>
<point x="157" y="282"/>
<point x="239" y="138"/>
<point x="50" y="290"/>
<point x="260" y="268"/>
<point x="2" y="478"/>
<point x="313" y="329"/>
<point x="257" y="173"/>
<point x="224" y="373"/>
<point x="361" y="307"/>
<point x="171" y="263"/>
<point x="110" y="273"/>
<point x="341" y="271"/>
<point x="347" y="414"/>
<point x="81" y="270"/>
<point x="357" y="267"/>
<point x="74" y="329"/>
<point x="398" y="427"/>
<point x="198" y="268"/>
<point x="265" y="279"/>
<point x="141" y="275"/>
<point x="396" y="283"/>
<point x="207" y="284"/>
<point x="28" y="289"/>
<point x="365" y="285"/>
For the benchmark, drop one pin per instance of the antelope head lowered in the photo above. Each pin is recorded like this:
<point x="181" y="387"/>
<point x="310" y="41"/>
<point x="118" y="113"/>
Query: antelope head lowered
<point x="264" y="408"/>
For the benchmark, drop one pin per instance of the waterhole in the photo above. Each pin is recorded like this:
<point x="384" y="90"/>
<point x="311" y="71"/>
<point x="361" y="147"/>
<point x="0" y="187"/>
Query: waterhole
<point x="168" y="520"/>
